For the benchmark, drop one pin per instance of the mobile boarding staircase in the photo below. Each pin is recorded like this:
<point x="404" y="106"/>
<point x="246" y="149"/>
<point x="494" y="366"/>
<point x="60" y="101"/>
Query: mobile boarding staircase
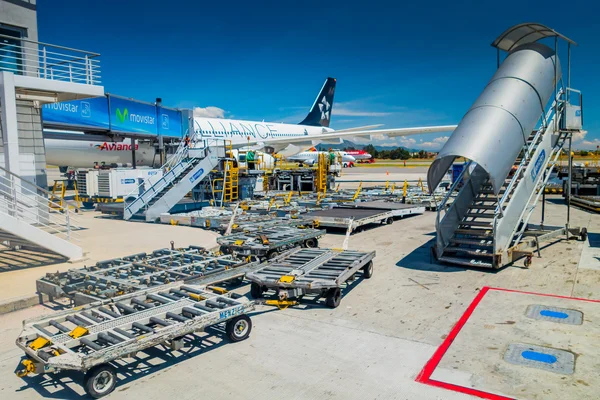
<point x="512" y="138"/>
<point x="182" y="172"/>
<point x="30" y="220"/>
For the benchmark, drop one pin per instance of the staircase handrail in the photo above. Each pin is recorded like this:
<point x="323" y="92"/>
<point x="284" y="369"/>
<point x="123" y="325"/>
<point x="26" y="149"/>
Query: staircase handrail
<point x="530" y="149"/>
<point x="21" y="200"/>
<point x="539" y="188"/>
<point x="442" y="206"/>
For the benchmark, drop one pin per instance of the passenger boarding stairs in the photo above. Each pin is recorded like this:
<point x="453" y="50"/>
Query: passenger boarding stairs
<point x="182" y="172"/>
<point x="30" y="221"/>
<point x="480" y="229"/>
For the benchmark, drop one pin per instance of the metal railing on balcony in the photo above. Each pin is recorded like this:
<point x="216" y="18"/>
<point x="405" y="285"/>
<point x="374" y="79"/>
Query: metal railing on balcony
<point x="43" y="60"/>
<point x="29" y="203"/>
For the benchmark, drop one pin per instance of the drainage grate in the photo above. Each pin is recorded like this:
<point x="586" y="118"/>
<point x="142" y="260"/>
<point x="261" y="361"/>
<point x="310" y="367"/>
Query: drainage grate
<point x="547" y="358"/>
<point x="554" y="314"/>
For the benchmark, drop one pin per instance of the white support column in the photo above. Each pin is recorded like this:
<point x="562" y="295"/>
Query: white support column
<point x="10" y="133"/>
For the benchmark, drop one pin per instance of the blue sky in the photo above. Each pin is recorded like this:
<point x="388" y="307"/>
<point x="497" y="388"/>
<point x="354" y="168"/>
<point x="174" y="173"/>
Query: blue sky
<point x="397" y="63"/>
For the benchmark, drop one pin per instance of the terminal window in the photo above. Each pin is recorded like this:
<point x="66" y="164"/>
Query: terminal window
<point x="11" y="55"/>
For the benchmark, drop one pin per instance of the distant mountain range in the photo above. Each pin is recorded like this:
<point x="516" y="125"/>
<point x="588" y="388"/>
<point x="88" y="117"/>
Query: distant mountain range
<point x="348" y="144"/>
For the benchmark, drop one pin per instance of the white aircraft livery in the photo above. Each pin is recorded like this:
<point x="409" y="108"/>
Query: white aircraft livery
<point x="285" y="139"/>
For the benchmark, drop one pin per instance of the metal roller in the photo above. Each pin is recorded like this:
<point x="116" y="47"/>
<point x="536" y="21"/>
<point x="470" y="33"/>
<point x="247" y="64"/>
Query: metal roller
<point x="108" y="312"/>
<point x="142" y="303"/>
<point x="90" y="344"/>
<point x="91" y="317"/>
<point x="126" y="308"/>
<point x="124" y="333"/>
<point x="142" y="327"/>
<point x="109" y="339"/>
<point x="59" y="326"/>
<point x="177" y="317"/>
<point x="159" y="298"/>
<point x="159" y="321"/>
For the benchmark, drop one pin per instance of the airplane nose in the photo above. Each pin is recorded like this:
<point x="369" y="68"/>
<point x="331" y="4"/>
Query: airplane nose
<point x="348" y="158"/>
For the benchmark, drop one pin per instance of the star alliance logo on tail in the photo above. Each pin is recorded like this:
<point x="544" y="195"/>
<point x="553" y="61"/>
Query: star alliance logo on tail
<point x="324" y="106"/>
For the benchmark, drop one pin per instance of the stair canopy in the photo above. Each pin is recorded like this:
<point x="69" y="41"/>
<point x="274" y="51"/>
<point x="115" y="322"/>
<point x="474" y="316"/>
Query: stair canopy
<point x="494" y="130"/>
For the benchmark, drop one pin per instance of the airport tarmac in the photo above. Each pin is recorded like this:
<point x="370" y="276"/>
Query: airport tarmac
<point x="377" y="342"/>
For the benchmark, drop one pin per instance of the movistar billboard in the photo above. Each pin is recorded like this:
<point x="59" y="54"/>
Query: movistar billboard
<point x="88" y="113"/>
<point x="116" y="114"/>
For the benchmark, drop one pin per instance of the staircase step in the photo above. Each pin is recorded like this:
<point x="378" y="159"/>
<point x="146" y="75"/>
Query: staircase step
<point x="465" y="262"/>
<point x="490" y="191"/>
<point x="470" y="252"/>
<point x="474" y="232"/>
<point x="471" y="242"/>
<point x="476" y="223"/>
<point x="479" y="215"/>
<point x="482" y="207"/>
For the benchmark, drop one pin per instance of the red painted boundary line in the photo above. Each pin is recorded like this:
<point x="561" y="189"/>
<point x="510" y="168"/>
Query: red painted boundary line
<point x="545" y="295"/>
<point x="425" y="374"/>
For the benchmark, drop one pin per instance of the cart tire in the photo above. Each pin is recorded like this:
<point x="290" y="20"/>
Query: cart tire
<point x="584" y="235"/>
<point x="256" y="291"/>
<point x="334" y="297"/>
<point x="272" y="254"/>
<point x="238" y="328"/>
<point x="368" y="270"/>
<point x="88" y="205"/>
<point x="389" y="221"/>
<point x="311" y="243"/>
<point x="224" y="249"/>
<point x="100" y="381"/>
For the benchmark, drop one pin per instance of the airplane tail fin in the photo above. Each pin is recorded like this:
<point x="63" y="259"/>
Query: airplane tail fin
<point x="320" y="113"/>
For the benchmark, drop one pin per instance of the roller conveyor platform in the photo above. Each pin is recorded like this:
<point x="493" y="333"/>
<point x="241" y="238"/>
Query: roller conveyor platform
<point x="90" y="338"/>
<point x="311" y="271"/>
<point x="132" y="273"/>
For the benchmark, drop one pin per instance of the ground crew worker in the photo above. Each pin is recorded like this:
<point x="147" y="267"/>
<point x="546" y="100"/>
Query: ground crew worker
<point x="186" y="141"/>
<point x="250" y="159"/>
<point x="331" y="156"/>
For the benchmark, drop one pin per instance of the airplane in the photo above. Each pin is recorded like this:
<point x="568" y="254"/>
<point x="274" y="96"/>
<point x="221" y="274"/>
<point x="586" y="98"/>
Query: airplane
<point x="84" y="151"/>
<point x="361" y="156"/>
<point x="311" y="157"/>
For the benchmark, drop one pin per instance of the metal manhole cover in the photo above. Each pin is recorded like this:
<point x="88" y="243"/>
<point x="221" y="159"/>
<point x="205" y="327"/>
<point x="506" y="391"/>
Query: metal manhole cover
<point x="547" y="358"/>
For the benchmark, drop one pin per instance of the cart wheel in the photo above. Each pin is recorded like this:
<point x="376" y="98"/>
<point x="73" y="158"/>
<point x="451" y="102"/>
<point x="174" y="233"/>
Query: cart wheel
<point x="256" y="290"/>
<point x="88" y="205"/>
<point x="238" y="328"/>
<point x="584" y="235"/>
<point x="311" y="243"/>
<point x="272" y="254"/>
<point x="528" y="261"/>
<point x="224" y="249"/>
<point x="100" y="381"/>
<point x="389" y="221"/>
<point x="368" y="270"/>
<point x="334" y="297"/>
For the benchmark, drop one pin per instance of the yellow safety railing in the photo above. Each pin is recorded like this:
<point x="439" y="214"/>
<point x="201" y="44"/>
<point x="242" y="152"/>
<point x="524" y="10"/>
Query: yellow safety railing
<point x="58" y="196"/>
<point x="322" y="171"/>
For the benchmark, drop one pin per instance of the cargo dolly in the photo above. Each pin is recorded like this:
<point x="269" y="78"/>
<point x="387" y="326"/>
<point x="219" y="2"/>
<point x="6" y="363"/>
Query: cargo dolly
<point x="311" y="271"/>
<point x="355" y="218"/>
<point x="269" y="242"/>
<point x="132" y="273"/>
<point x="90" y="338"/>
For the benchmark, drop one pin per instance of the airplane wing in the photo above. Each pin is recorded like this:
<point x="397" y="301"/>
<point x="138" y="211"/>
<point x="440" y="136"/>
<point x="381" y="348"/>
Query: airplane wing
<point x="337" y="137"/>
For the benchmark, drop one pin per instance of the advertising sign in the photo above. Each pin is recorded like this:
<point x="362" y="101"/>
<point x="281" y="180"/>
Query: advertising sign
<point x="169" y="122"/>
<point x="87" y="113"/>
<point x="132" y="117"/>
<point x="116" y="114"/>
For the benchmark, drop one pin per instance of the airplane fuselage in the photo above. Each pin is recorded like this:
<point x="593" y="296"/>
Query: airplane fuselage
<point x="238" y="131"/>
